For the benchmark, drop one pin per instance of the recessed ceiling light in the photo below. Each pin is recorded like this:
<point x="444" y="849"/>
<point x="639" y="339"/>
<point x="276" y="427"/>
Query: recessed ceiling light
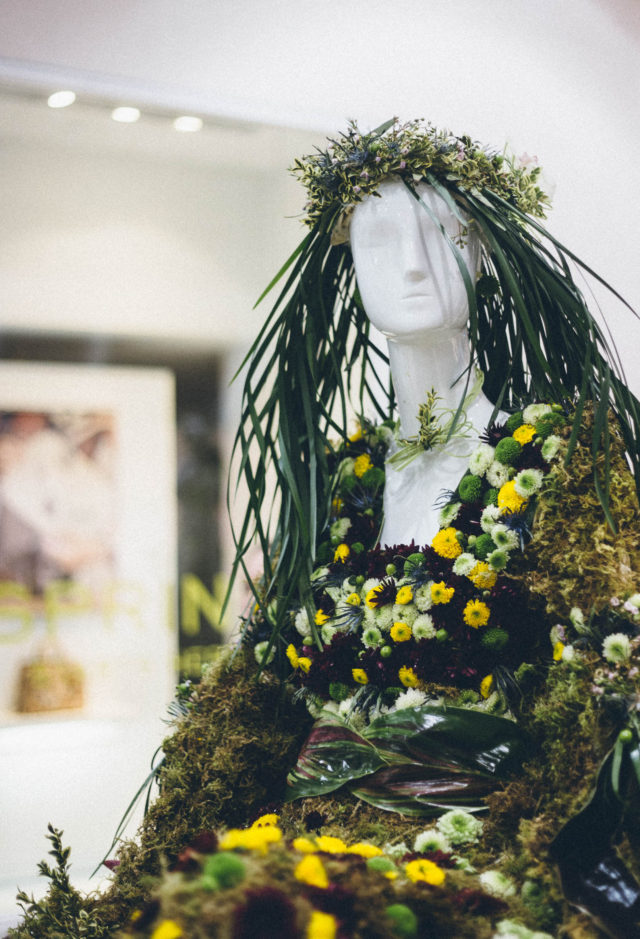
<point x="125" y="115"/>
<point x="61" y="99"/>
<point x="187" y="124"/>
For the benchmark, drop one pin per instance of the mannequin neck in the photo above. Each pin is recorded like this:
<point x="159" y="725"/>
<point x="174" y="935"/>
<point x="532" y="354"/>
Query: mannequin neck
<point x="418" y="365"/>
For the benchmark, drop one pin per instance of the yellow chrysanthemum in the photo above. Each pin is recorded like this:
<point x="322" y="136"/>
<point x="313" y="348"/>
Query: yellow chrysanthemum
<point x="321" y="617"/>
<point x="322" y="926"/>
<point x="362" y="464"/>
<point x="424" y="871"/>
<point x="440" y="593"/>
<point x="400" y="632"/>
<point x="311" y="871"/>
<point x="331" y="845"/>
<point x="482" y="577"/>
<point x="404" y="595"/>
<point x="486" y="686"/>
<point x="508" y="498"/>
<point x="360" y="676"/>
<point x="169" y="929"/>
<point x="524" y="433"/>
<point x="354" y="599"/>
<point x="558" y="649"/>
<point x="364" y="850"/>
<point x="342" y="552"/>
<point x="292" y="655"/>
<point x="476" y="613"/>
<point x="304" y="664"/>
<point x="337" y="505"/>
<point x="251" y="839"/>
<point x="391" y="875"/>
<point x="357" y="436"/>
<point x="446" y="543"/>
<point x="408" y="677"/>
<point x="304" y="845"/>
<point x="269" y="819"/>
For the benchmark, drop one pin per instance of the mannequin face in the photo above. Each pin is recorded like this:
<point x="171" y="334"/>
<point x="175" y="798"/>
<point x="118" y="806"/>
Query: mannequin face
<point x="408" y="278"/>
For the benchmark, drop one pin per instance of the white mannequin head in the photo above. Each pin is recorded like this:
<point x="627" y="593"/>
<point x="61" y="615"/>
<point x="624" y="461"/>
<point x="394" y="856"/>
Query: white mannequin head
<point x="408" y="277"/>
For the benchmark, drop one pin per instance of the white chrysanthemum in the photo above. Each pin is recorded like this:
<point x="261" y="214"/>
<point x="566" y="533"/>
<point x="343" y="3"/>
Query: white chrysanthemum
<point x="534" y="412"/>
<point x="422" y="597"/>
<point x="384" y="433"/>
<point x="551" y="446"/>
<point x="321" y="572"/>
<point x="498" y="559"/>
<point x="489" y="517"/>
<point x="497" y="884"/>
<point x="411" y="698"/>
<point x="384" y="617"/>
<point x="504" y="537"/>
<point x="616" y="648"/>
<point x="340" y="528"/>
<point x="301" y="622"/>
<point x="423" y="627"/>
<point x="396" y="850"/>
<point x="369" y="585"/>
<point x="404" y="613"/>
<point x="568" y="654"/>
<point x="348" y="588"/>
<point x="464" y="564"/>
<point x="328" y="632"/>
<point x="556" y="634"/>
<point x="345" y="706"/>
<point x="431" y="840"/>
<point x="335" y="593"/>
<point x="577" y="618"/>
<point x="497" y="474"/>
<point x="508" y="929"/>
<point x="528" y="481"/>
<point x="369" y="617"/>
<point x="260" y="651"/>
<point x="634" y="600"/>
<point x="371" y="637"/>
<point x="449" y="513"/>
<point x="481" y="459"/>
<point x="460" y="827"/>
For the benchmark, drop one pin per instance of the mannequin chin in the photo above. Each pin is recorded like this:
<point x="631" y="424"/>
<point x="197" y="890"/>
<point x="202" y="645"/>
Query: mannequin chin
<point x="414" y="293"/>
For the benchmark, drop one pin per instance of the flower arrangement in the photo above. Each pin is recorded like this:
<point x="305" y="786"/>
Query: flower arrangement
<point x="354" y="164"/>
<point x="394" y="623"/>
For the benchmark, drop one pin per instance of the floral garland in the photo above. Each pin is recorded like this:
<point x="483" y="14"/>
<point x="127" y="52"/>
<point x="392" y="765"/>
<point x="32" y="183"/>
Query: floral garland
<point x="399" y="623"/>
<point x="356" y="163"/>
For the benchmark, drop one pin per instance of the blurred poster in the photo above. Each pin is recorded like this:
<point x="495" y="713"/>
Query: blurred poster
<point x="87" y="539"/>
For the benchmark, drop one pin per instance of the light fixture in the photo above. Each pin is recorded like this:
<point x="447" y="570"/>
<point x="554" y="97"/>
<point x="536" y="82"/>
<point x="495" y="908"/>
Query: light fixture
<point x="61" y="99"/>
<point x="187" y="124"/>
<point x="125" y="115"/>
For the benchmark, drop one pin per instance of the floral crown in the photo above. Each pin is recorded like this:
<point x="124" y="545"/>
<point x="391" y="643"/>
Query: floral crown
<point x="354" y="164"/>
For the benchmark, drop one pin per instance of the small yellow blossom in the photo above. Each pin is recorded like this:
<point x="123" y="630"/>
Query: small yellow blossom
<point x="357" y="436"/>
<point x="446" y="543"/>
<point x="408" y="677"/>
<point x="486" y="686"/>
<point x="353" y="599"/>
<point x="440" y="593"/>
<point x="364" y="850"/>
<point x="558" y="649"/>
<point x="400" y="632"/>
<point x="476" y="613"/>
<point x="524" y="434"/>
<point x="342" y="552"/>
<point x="404" y="595"/>
<point x="304" y="845"/>
<point x="270" y="819"/>
<point x="508" y="498"/>
<point x="321" y="617"/>
<point x="424" y="871"/>
<point x="168" y="929"/>
<point x="482" y="577"/>
<point x="362" y="464"/>
<point x="304" y="664"/>
<point x="292" y="655"/>
<point x="330" y="844"/>
<point x="337" y="505"/>
<point x="311" y="871"/>
<point x="391" y="875"/>
<point x="360" y="676"/>
<point x="251" y="839"/>
<point x="322" y="926"/>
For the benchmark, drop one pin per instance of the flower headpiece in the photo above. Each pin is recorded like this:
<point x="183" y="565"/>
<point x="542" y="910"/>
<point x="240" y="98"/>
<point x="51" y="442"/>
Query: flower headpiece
<point x="355" y="163"/>
<point x="530" y="330"/>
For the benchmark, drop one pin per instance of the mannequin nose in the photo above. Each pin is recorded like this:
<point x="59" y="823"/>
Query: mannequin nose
<point x="414" y="259"/>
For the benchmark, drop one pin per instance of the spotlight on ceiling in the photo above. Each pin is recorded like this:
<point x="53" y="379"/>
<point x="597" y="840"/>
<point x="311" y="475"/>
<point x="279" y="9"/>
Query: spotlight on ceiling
<point x="125" y="115"/>
<point x="187" y="124"/>
<point x="61" y="99"/>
